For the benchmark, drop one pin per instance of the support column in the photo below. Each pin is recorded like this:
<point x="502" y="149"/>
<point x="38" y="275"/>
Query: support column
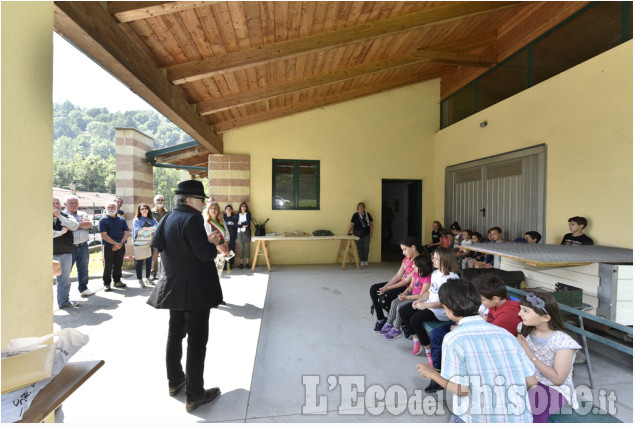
<point x="229" y="179"/>
<point x="27" y="134"/>
<point x="134" y="176"/>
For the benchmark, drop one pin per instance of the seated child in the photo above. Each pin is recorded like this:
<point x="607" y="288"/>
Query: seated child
<point x="576" y="237"/>
<point x="437" y="228"/>
<point x="552" y="351"/>
<point x="466" y="240"/>
<point x="382" y="294"/>
<point x="533" y="237"/>
<point x="419" y="285"/>
<point x="447" y="239"/>
<point x="479" y="357"/>
<point x="501" y="312"/>
<point x="427" y="307"/>
<point x="476" y="238"/>
<point x="457" y="235"/>
<point x="495" y="235"/>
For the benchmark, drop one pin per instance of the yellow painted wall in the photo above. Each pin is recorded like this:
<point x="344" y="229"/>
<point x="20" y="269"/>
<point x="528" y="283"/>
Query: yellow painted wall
<point x="585" y="116"/>
<point x="26" y="150"/>
<point x="358" y="143"/>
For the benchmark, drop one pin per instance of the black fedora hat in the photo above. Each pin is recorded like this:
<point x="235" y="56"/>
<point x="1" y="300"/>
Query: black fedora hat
<point x="190" y="187"/>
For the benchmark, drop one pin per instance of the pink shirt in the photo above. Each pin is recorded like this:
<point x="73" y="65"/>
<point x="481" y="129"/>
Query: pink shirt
<point x="408" y="267"/>
<point x="419" y="282"/>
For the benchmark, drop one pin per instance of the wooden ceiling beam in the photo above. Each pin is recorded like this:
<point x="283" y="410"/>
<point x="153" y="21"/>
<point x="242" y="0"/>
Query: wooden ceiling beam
<point x="216" y="105"/>
<point x="231" y="62"/>
<point x="455" y="58"/>
<point x="89" y="27"/>
<point x="128" y="11"/>
<point x="328" y="100"/>
<point x="182" y="155"/>
<point x="467" y="43"/>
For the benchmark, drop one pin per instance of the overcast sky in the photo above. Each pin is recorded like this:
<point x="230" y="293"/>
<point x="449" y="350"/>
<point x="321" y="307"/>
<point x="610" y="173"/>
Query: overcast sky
<point x="81" y="81"/>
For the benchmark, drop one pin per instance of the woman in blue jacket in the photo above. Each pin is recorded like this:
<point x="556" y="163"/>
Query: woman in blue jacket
<point x="143" y="218"/>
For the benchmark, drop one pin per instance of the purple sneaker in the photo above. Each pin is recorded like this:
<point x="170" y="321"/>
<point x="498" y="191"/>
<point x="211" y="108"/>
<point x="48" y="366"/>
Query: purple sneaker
<point x="393" y="334"/>
<point x="387" y="328"/>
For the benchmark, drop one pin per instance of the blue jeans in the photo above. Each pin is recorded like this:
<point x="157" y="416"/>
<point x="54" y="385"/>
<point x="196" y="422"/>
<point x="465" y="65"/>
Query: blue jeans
<point x="139" y="267"/>
<point x="63" y="280"/>
<point x="436" y="341"/>
<point x="81" y="255"/>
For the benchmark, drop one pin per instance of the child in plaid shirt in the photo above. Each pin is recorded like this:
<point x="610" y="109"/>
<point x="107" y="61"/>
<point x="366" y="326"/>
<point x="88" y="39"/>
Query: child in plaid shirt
<point x="483" y="364"/>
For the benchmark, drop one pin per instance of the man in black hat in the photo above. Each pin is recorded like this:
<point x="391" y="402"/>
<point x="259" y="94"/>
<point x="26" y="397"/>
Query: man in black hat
<point x="189" y="288"/>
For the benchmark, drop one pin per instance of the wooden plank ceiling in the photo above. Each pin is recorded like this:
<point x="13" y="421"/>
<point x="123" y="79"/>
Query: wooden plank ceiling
<point x="215" y="66"/>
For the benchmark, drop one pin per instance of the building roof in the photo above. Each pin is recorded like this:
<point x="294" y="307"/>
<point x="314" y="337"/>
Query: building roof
<point x="215" y="66"/>
<point x="87" y="200"/>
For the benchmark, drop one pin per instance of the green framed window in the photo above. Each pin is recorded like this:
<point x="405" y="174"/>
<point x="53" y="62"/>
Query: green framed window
<point x="296" y="184"/>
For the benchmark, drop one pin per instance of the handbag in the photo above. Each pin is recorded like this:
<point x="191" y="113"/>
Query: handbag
<point x="142" y="248"/>
<point x="141" y="252"/>
<point x="260" y="228"/>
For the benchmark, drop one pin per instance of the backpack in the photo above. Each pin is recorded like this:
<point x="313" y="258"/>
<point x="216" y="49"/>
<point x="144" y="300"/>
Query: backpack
<point x="260" y="228"/>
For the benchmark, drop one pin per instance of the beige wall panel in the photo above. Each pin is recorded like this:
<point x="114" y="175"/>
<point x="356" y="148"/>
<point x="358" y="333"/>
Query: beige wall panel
<point x="585" y="117"/>
<point x="385" y="136"/>
<point x="27" y="152"/>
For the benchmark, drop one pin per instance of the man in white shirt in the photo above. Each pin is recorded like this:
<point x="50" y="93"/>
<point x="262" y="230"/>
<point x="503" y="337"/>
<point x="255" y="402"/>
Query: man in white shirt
<point x="81" y="255"/>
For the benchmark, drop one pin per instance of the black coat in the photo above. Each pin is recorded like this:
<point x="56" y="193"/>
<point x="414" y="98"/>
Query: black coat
<point x="189" y="280"/>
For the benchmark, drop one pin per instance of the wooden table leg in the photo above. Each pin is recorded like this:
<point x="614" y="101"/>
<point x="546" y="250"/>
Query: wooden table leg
<point x="348" y="242"/>
<point x="264" y="246"/>
<point x="355" y="253"/>
<point x="253" y="264"/>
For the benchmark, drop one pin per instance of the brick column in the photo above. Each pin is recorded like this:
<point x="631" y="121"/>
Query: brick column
<point x="134" y="174"/>
<point x="229" y="179"/>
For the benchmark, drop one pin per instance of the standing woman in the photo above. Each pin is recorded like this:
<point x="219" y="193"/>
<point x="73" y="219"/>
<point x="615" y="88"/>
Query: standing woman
<point x="143" y="218"/>
<point x="231" y="220"/>
<point x="244" y="234"/>
<point x="362" y="227"/>
<point x="214" y="223"/>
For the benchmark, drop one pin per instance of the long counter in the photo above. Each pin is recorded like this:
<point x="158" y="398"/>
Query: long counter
<point x="604" y="273"/>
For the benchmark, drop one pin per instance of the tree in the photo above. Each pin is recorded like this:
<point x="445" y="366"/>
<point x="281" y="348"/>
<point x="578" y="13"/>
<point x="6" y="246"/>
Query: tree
<point x="103" y="148"/>
<point x="79" y="119"/>
<point x="93" y="112"/>
<point x="103" y="130"/>
<point x="165" y="182"/>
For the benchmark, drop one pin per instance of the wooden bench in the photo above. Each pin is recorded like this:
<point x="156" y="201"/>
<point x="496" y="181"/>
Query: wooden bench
<point x="59" y="389"/>
<point x="431" y="325"/>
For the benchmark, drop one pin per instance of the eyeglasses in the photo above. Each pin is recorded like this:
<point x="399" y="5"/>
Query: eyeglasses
<point x="144" y="208"/>
<point x="200" y="198"/>
<point x="159" y="200"/>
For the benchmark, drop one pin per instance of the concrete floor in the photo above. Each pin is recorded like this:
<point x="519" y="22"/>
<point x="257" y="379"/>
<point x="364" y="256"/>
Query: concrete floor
<point x="295" y="345"/>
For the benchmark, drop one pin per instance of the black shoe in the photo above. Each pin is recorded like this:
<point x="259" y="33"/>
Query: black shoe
<point x="241" y="267"/>
<point x="120" y="285"/>
<point x="208" y="397"/>
<point x="175" y="390"/>
<point x="107" y="288"/>
<point x="433" y="387"/>
<point x="380" y="324"/>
